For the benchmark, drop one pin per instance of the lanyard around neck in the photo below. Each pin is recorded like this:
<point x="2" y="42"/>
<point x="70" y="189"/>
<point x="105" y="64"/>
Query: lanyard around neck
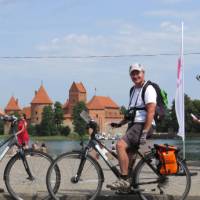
<point x="137" y="96"/>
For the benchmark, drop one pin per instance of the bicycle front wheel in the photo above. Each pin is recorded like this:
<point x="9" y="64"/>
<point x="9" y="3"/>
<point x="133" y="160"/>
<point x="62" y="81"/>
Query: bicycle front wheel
<point x="86" y="187"/>
<point x="24" y="185"/>
<point x="176" y="185"/>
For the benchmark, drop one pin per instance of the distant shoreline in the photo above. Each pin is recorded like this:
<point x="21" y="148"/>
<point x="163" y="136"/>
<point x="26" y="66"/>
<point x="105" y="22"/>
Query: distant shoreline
<point x="76" y="137"/>
<point x="173" y="135"/>
<point x="70" y="137"/>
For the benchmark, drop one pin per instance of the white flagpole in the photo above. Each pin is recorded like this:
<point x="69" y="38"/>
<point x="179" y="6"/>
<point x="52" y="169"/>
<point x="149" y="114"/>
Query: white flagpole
<point x="183" y="88"/>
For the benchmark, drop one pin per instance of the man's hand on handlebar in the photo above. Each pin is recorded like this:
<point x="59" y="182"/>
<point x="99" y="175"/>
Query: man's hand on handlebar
<point x="115" y="125"/>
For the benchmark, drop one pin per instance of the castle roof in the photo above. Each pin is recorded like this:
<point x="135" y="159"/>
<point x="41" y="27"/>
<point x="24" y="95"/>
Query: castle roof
<point x="101" y="103"/>
<point x="27" y="112"/>
<point x="41" y="97"/>
<point x="78" y="87"/>
<point x="12" y="105"/>
<point x="66" y="104"/>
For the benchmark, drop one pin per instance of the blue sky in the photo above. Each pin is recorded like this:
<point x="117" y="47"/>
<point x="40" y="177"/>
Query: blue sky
<point x="91" y="27"/>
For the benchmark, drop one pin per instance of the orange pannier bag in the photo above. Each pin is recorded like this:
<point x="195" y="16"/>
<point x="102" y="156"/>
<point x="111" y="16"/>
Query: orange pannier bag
<point x="167" y="156"/>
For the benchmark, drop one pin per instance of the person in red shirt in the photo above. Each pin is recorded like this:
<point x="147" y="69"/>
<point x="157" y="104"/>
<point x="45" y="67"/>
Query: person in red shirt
<point x="22" y="134"/>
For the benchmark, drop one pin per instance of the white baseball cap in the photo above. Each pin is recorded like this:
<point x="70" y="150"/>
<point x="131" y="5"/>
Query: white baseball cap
<point x="136" y="67"/>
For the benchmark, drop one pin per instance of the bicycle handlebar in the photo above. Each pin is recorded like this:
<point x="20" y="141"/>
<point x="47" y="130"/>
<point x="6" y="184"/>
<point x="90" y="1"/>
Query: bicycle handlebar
<point x="90" y="122"/>
<point x="9" y="118"/>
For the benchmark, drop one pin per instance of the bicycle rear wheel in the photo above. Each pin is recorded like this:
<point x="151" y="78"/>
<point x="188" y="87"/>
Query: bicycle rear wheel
<point x="177" y="185"/>
<point x="87" y="187"/>
<point x="20" y="185"/>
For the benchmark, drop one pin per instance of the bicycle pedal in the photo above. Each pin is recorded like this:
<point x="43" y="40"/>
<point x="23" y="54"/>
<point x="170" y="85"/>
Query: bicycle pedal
<point x="121" y="192"/>
<point x="137" y="190"/>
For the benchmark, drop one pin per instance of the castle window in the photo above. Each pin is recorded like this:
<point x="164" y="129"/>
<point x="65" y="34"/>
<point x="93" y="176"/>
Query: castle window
<point x="36" y="112"/>
<point x="37" y="118"/>
<point x="96" y="115"/>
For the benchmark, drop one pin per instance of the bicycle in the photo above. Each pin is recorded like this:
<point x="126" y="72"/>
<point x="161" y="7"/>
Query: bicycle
<point x="82" y="175"/>
<point x="25" y="172"/>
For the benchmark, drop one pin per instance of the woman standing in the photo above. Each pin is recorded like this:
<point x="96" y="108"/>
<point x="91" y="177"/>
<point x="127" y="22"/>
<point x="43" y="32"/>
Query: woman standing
<point x="22" y="134"/>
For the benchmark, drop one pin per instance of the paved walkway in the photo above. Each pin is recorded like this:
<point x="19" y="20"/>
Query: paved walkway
<point x="108" y="195"/>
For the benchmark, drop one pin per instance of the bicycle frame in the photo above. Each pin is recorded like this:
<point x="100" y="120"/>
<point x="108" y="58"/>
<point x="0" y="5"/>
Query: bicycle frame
<point x="98" y="147"/>
<point x="8" y="143"/>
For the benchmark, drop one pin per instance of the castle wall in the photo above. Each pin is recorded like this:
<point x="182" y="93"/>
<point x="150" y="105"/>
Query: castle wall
<point x="36" y="113"/>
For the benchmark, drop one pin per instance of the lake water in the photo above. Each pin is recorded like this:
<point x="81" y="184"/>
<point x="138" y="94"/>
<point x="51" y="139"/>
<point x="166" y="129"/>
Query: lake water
<point x="55" y="148"/>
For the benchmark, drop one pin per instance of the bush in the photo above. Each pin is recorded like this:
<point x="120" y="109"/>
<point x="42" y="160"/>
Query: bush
<point x="65" y="130"/>
<point x="32" y="130"/>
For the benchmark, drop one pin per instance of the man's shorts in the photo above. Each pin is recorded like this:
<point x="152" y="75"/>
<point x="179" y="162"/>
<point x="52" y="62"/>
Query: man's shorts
<point x="133" y="134"/>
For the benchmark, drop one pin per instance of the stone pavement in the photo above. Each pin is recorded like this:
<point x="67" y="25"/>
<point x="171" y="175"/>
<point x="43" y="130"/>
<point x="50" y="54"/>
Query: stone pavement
<point x="108" y="195"/>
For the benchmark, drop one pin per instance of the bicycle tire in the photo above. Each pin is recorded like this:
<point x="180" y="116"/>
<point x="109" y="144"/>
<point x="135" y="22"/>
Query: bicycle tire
<point x="184" y="173"/>
<point x="66" y="191"/>
<point x="10" y="171"/>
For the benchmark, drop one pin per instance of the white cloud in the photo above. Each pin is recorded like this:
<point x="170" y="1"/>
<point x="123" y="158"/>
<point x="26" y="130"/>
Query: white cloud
<point x="169" y="26"/>
<point x="182" y="15"/>
<point x="127" y="39"/>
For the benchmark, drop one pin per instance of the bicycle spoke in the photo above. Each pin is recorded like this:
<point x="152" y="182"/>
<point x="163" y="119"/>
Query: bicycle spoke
<point x="150" y="183"/>
<point x="86" y="186"/>
<point x="19" y="184"/>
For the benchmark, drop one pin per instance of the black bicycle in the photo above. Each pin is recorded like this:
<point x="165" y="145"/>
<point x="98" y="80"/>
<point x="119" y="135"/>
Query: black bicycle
<point x="25" y="172"/>
<point x="82" y="175"/>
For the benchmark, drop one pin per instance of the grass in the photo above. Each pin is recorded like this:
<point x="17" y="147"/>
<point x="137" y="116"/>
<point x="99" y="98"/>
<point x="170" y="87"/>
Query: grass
<point x="70" y="137"/>
<point x="2" y="136"/>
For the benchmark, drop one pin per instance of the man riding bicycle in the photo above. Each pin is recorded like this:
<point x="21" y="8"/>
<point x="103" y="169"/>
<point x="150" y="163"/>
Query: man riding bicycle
<point x="139" y="127"/>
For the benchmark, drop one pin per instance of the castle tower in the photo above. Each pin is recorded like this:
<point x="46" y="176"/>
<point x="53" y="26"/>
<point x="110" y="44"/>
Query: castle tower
<point x="12" y="106"/>
<point x="77" y="93"/>
<point x="40" y="100"/>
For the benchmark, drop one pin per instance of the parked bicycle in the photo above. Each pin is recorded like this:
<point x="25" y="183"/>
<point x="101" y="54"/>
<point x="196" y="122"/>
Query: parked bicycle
<point x="25" y="172"/>
<point x="82" y="175"/>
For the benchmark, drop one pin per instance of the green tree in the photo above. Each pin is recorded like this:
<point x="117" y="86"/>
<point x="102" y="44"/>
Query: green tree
<point x="78" y="122"/>
<point x="1" y="127"/>
<point x="123" y="110"/>
<point x="32" y="130"/>
<point x="47" y="126"/>
<point x="164" y="125"/>
<point x="58" y="114"/>
<point x="195" y="110"/>
<point x="191" y="106"/>
<point x="188" y="109"/>
<point x="173" y="122"/>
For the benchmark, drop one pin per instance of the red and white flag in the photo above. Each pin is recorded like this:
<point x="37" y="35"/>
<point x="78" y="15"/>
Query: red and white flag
<point x="179" y="99"/>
